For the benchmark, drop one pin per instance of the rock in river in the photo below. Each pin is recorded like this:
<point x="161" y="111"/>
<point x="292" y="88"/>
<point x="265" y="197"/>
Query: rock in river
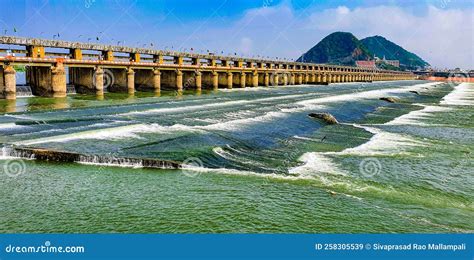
<point x="326" y="117"/>
<point x="389" y="99"/>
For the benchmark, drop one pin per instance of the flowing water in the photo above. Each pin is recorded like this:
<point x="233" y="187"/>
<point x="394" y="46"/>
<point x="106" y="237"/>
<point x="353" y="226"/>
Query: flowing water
<point x="253" y="161"/>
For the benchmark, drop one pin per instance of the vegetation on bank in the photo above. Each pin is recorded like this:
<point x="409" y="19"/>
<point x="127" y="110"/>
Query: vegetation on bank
<point x="343" y="48"/>
<point x="340" y="48"/>
<point x="382" y="47"/>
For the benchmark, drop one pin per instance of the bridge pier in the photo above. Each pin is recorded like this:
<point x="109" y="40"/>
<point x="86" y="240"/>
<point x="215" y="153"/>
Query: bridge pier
<point x="48" y="81"/>
<point x="98" y="81"/>
<point x="215" y="80"/>
<point x="130" y="81"/>
<point x="157" y="80"/>
<point x="83" y="79"/>
<point x="292" y="79"/>
<point x="255" y="79"/>
<point x="179" y="80"/>
<point x="242" y="80"/>
<point x="266" y="79"/>
<point x="198" y="80"/>
<point x="285" y="79"/>
<point x="230" y="80"/>
<point x="58" y="80"/>
<point x="300" y="79"/>
<point x="7" y="82"/>
<point x="276" y="79"/>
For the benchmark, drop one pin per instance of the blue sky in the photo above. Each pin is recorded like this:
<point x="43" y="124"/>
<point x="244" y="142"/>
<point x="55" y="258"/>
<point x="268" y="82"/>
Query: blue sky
<point x="441" y="31"/>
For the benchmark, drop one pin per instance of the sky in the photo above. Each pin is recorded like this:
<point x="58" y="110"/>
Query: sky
<point x="439" y="31"/>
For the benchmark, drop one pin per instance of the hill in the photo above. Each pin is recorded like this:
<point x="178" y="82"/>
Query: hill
<point x="382" y="47"/>
<point x="337" y="48"/>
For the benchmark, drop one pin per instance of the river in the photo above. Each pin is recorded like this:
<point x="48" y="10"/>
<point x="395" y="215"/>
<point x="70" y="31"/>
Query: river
<point x="255" y="162"/>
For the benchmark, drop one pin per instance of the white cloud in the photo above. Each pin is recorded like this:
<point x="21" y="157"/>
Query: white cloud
<point x="343" y="10"/>
<point x="443" y="37"/>
<point x="246" y="46"/>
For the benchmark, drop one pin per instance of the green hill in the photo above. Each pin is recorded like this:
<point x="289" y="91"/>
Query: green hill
<point x="337" y="48"/>
<point x="382" y="47"/>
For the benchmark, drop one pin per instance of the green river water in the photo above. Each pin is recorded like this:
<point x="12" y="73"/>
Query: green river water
<point x="255" y="162"/>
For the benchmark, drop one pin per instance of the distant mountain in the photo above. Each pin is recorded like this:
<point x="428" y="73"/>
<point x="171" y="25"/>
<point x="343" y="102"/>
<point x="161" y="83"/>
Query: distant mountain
<point x="382" y="47"/>
<point x="337" y="48"/>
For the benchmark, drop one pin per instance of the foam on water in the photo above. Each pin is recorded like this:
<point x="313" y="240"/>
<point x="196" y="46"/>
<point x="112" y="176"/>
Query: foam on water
<point x="10" y="126"/>
<point x="184" y="109"/>
<point x="132" y="131"/>
<point x="115" y="133"/>
<point x="463" y="95"/>
<point x="232" y="157"/>
<point x="316" y="164"/>
<point x="20" y="116"/>
<point x="207" y="106"/>
<point x="371" y="94"/>
<point x="382" y="143"/>
<point x="240" y="124"/>
<point x="414" y="117"/>
<point x="306" y="138"/>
